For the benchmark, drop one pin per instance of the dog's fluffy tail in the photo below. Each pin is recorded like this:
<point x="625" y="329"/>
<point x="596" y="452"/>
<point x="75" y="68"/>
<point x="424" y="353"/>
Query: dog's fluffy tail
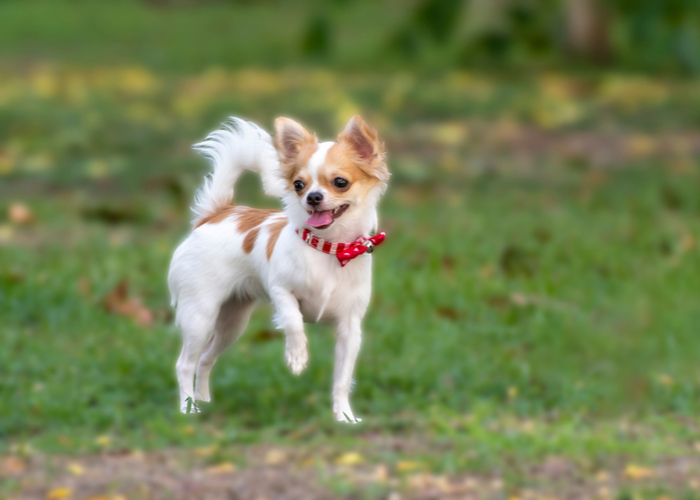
<point x="239" y="145"/>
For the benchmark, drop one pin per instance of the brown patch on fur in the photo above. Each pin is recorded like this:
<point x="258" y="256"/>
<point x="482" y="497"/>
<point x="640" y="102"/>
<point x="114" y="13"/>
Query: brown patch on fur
<point x="275" y="229"/>
<point x="249" y="240"/>
<point x="221" y="214"/>
<point x="253" y="217"/>
<point x="247" y="218"/>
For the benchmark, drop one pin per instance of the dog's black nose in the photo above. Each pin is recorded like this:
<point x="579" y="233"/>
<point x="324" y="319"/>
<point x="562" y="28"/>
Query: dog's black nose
<point x="314" y="198"/>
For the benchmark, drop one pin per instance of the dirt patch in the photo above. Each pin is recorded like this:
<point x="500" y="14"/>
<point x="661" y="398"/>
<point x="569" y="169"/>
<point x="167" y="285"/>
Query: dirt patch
<point x="265" y="473"/>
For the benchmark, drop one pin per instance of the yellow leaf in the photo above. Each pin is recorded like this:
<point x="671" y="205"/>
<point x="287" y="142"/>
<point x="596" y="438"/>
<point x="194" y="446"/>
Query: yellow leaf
<point x="7" y="163"/>
<point x="76" y="469"/>
<point x="221" y="468"/>
<point x="205" y="451"/>
<point x="407" y="465"/>
<point x="633" y="471"/>
<point x="640" y="146"/>
<point x="512" y="392"/>
<point x="275" y="457"/>
<point x="137" y="80"/>
<point x="58" y="493"/>
<point x="350" y="458"/>
<point x="103" y="440"/>
<point x="450" y="134"/>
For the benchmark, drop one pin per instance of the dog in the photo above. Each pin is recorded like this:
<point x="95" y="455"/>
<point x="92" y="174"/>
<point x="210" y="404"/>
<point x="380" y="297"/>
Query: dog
<point x="311" y="260"/>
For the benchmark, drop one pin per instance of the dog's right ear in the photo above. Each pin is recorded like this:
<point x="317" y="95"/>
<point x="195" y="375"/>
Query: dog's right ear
<point x="292" y="141"/>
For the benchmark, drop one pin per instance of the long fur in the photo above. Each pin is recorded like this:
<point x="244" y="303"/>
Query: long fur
<point x="238" y="146"/>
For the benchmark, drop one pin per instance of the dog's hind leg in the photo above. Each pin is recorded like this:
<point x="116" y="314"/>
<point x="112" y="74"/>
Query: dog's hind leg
<point x="197" y="324"/>
<point x="231" y="322"/>
<point x="347" y="347"/>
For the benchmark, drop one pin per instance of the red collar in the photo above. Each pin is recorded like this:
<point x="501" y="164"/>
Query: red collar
<point x="344" y="252"/>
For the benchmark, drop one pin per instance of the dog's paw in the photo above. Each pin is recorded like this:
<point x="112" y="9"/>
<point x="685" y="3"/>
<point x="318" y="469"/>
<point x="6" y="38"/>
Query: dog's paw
<point x="347" y="418"/>
<point x="189" y="406"/>
<point x="297" y="356"/>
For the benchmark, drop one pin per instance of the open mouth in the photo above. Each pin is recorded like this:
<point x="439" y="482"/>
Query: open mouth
<point x="321" y="219"/>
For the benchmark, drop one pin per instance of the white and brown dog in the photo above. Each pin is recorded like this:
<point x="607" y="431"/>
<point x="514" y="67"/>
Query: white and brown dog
<point x="237" y="256"/>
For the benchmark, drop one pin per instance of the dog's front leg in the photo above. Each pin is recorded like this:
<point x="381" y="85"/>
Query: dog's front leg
<point x="347" y="347"/>
<point x="289" y="318"/>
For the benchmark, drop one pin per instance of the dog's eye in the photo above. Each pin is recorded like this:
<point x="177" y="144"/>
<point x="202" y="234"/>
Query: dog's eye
<point x="298" y="186"/>
<point x="340" y="183"/>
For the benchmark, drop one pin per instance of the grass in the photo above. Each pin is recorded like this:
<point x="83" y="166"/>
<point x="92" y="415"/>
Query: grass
<point x="519" y="298"/>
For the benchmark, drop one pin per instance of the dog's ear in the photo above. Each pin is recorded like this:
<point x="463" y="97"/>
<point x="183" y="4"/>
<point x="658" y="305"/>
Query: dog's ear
<point x="367" y="151"/>
<point x="291" y="140"/>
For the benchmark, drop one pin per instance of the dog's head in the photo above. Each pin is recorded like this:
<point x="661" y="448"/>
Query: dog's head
<point x="332" y="187"/>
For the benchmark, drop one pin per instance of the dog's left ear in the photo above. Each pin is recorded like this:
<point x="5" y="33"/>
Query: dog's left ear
<point x="367" y="150"/>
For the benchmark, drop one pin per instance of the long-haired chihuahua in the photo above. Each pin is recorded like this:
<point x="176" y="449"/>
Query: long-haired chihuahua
<point x="311" y="261"/>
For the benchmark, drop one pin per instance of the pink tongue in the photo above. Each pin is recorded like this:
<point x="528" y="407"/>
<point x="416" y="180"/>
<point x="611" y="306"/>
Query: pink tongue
<point x="318" y="219"/>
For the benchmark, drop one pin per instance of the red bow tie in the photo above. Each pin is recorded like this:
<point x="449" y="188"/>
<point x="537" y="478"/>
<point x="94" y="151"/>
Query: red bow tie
<point x="344" y="252"/>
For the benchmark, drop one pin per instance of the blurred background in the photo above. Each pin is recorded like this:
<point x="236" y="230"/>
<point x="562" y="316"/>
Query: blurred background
<point x="533" y="330"/>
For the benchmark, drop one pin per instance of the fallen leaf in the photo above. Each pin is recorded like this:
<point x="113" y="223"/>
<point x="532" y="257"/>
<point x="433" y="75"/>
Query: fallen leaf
<point x="425" y="481"/>
<point x="448" y="313"/>
<point x="118" y="302"/>
<point x="12" y="465"/>
<point x="205" y="451"/>
<point x="275" y="457"/>
<point x="103" y="440"/>
<point x="58" y="493"/>
<point x="222" y="468"/>
<point x="6" y="232"/>
<point x="76" y="469"/>
<point x="380" y="474"/>
<point x="407" y="465"/>
<point x="19" y="213"/>
<point x="350" y="458"/>
<point x="687" y="243"/>
<point x="637" y="472"/>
